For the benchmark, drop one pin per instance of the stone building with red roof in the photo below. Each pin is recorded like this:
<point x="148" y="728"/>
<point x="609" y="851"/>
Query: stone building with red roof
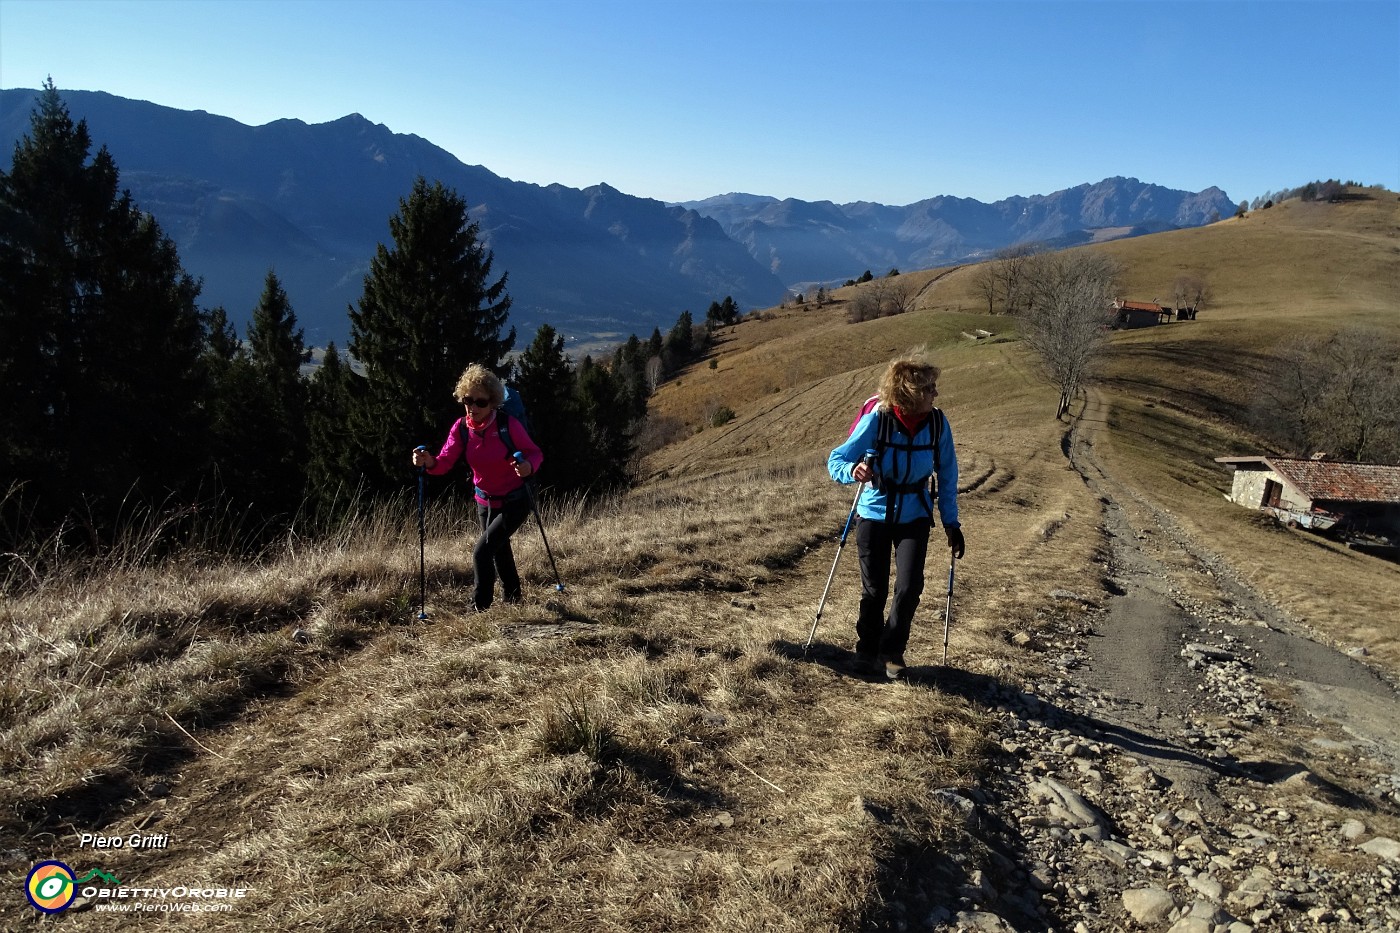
<point x="1355" y="498"/>
<point x="1128" y="314"/>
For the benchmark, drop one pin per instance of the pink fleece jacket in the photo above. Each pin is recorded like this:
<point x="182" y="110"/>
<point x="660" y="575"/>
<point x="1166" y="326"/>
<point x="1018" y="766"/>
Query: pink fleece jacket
<point x="490" y="462"/>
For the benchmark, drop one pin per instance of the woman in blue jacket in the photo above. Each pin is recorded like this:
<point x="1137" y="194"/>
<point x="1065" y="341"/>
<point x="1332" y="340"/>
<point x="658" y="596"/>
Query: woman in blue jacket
<point x="912" y="445"/>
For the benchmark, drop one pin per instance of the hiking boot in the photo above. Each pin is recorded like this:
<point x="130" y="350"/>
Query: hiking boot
<point x="867" y="662"/>
<point x="894" y="666"/>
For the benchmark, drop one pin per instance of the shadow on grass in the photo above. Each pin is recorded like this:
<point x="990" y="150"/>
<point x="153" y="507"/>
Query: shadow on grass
<point x="682" y="796"/>
<point x="904" y="876"/>
<point x="832" y="657"/>
<point x="163" y="749"/>
<point x="927" y="881"/>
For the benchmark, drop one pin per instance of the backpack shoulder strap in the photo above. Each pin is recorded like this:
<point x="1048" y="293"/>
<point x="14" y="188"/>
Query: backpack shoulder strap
<point x="935" y="429"/>
<point x="503" y="430"/>
<point x="935" y="433"/>
<point x="884" y="432"/>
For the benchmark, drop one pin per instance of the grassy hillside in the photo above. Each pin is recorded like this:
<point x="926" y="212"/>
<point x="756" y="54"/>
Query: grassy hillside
<point x="1178" y="394"/>
<point x="649" y="750"/>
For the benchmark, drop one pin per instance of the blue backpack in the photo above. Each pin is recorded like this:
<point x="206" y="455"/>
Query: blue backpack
<point x="885" y="439"/>
<point x="514" y="405"/>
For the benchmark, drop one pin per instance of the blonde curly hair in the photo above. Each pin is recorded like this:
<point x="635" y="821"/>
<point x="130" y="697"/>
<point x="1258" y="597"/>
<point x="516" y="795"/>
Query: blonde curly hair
<point x="477" y="380"/>
<point x="907" y="381"/>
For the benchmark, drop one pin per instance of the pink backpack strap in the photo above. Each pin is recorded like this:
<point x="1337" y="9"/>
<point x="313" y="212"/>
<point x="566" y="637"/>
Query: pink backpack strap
<point x="870" y="405"/>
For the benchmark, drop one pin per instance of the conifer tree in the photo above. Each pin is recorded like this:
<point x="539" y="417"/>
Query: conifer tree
<point x="722" y="313"/>
<point x="429" y="309"/>
<point x="99" y="333"/>
<point x="629" y="374"/>
<point x="679" y="342"/>
<point x="333" y="472"/>
<point x="715" y="315"/>
<point x="233" y="402"/>
<point x="546" y="382"/>
<point x="221" y="346"/>
<point x="276" y="348"/>
<point x="605" y="413"/>
<point x="730" y="309"/>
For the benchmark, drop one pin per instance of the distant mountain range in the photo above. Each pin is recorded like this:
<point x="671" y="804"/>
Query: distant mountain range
<point x="314" y="201"/>
<point x="803" y="242"/>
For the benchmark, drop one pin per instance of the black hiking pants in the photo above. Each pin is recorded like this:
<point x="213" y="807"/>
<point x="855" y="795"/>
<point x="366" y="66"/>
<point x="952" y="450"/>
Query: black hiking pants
<point x="876" y="632"/>
<point x="492" y="555"/>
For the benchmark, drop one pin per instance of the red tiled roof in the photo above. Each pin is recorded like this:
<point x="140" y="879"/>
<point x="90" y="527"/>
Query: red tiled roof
<point x="1141" y="306"/>
<point x="1340" y="482"/>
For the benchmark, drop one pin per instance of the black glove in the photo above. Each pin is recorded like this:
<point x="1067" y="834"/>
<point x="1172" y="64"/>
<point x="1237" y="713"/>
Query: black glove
<point x="955" y="540"/>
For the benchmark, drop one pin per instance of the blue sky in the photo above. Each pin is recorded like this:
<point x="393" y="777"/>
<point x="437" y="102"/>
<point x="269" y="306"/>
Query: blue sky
<point x="881" y="100"/>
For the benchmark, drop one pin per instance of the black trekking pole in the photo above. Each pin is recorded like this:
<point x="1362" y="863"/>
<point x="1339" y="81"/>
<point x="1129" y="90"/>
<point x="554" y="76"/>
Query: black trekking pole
<point x="422" y="538"/>
<point x="948" y="609"/>
<point x="869" y="461"/>
<point x="534" y="507"/>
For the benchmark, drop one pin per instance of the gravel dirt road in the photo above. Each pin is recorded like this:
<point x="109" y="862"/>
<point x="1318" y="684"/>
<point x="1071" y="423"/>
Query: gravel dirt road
<point x="1194" y="761"/>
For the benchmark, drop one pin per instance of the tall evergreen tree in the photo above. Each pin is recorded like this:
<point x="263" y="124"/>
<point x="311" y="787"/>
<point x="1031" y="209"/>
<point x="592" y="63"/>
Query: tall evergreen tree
<point x="428" y="310"/>
<point x="605" y="414"/>
<point x="546" y="381"/>
<point x="99" y="333"/>
<point x="679" y="342"/>
<point x="333" y="470"/>
<point x="232" y="404"/>
<point x="276" y="349"/>
<point x="629" y="373"/>
<point x="723" y="313"/>
<point x="729" y="310"/>
<point x="679" y="339"/>
<point x="715" y="315"/>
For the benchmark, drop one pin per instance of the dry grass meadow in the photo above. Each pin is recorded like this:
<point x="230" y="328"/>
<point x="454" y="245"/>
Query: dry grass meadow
<point x="649" y="750"/>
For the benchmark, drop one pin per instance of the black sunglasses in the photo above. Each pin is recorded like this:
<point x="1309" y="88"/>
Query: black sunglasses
<point x="477" y="402"/>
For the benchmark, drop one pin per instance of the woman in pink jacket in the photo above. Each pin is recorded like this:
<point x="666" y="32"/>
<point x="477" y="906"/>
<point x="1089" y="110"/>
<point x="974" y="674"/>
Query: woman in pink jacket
<point x="499" y="470"/>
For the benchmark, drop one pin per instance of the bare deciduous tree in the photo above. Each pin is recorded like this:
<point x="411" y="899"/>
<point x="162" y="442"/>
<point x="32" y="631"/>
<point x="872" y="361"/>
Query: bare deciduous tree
<point x="1339" y="394"/>
<point x="864" y="305"/>
<point x="1002" y="280"/>
<point x="1190" y="292"/>
<point x="1015" y="263"/>
<point x="655" y="372"/>
<point x="881" y="298"/>
<point x="985" y="284"/>
<point x="1065" y="317"/>
<point x="896" y="296"/>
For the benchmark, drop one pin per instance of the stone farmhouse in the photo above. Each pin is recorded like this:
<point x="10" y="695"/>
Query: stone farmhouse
<point x="1359" y="502"/>
<point x="1130" y="314"/>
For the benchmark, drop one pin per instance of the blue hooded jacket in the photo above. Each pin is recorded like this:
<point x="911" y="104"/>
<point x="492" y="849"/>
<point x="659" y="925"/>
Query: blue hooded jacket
<point x="908" y="469"/>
